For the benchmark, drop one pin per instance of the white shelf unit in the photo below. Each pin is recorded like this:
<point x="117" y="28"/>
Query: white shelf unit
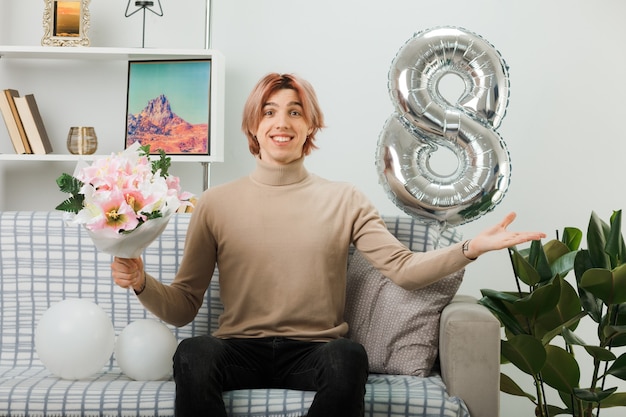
<point x="216" y="153"/>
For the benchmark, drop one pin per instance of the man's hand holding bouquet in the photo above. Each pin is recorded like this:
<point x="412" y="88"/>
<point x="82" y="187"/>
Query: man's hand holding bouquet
<point x="124" y="200"/>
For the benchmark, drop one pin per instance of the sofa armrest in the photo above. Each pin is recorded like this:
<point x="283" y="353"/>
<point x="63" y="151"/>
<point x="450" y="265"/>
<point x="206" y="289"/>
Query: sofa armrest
<point x="469" y="355"/>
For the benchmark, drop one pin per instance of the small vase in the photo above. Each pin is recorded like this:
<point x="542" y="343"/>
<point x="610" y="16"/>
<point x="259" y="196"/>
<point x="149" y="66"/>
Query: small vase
<point x="82" y="140"/>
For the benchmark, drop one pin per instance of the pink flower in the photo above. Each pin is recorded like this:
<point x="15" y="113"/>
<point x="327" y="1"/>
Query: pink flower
<point x="121" y="193"/>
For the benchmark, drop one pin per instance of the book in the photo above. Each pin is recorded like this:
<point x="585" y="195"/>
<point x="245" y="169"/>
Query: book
<point x="33" y="124"/>
<point x="13" y="121"/>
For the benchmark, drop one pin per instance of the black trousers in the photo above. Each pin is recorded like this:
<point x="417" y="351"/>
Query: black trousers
<point x="205" y="366"/>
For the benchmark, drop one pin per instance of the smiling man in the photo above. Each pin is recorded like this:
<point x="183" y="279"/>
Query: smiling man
<point x="280" y="238"/>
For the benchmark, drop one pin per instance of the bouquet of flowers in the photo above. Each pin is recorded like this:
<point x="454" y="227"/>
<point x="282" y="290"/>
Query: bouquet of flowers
<point x="124" y="200"/>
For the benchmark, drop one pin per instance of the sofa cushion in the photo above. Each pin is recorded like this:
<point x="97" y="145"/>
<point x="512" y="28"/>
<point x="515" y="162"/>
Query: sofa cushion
<point x="33" y="391"/>
<point x="398" y="328"/>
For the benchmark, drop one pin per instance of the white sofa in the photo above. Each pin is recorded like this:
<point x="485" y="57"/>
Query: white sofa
<point x="45" y="261"/>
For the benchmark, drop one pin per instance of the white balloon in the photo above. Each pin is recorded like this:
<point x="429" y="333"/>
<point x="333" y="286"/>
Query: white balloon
<point x="144" y="350"/>
<point x="74" y="338"/>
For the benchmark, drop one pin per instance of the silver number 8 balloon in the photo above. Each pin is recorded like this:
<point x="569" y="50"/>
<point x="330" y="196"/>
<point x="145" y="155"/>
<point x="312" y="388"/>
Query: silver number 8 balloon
<point x="424" y="120"/>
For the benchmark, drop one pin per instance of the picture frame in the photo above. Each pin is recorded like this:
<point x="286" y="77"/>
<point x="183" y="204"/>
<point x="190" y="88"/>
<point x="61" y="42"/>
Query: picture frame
<point x="168" y="105"/>
<point x="66" y="23"/>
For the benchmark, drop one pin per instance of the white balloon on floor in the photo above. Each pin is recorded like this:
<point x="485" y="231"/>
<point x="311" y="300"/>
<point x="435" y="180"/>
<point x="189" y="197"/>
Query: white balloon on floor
<point x="74" y="338"/>
<point x="144" y="350"/>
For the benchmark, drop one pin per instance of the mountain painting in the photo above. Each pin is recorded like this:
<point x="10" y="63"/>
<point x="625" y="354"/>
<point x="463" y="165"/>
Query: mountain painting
<point x="168" y="106"/>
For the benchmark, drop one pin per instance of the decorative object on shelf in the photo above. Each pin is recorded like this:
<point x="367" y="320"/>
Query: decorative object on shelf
<point x="168" y="105"/>
<point x="425" y="124"/>
<point x="82" y="140"/>
<point x="124" y="200"/>
<point x="66" y="23"/>
<point x="144" y="5"/>
<point x="541" y="316"/>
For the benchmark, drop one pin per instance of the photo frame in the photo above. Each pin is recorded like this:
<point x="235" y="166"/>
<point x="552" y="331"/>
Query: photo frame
<point x="168" y="106"/>
<point x="66" y="23"/>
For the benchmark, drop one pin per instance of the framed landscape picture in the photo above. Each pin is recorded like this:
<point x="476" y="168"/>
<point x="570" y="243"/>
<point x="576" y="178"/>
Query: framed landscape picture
<point x="168" y="106"/>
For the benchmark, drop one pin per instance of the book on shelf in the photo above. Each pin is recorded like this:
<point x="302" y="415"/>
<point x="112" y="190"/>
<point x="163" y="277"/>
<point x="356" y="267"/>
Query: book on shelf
<point x="11" y="117"/>
<point x="33" y="124"/>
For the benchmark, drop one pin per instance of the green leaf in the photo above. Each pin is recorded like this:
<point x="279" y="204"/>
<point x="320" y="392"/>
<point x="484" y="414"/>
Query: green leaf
<point x="163" y="164"/>
<point x="614" y="334"/>
<point x="607" y="285"/>
<point x="616" y="400"/>
<point x="567" y="308"/>
<point x="539" y="260"/>
<point x="596" y="352"/>
<point x="571" y="323"/>
<point x="69" y="184"/>
<point x="509" y="386"/>
<point x="73" y="204"/>
<point x="572" y="338"/>
<point x="540" y="301"/>
<point x="525" y="352"/>
<point x="600" y="353"/>
<point x="498" y="308"/>
<point x="618" y="368"/>
<point x="563" y="265"/>
<point x="593" y="396"/>
<point x="589" y="302"/>
<point x="561" y="370"/>
<point x="596" y="242"/>
<point x="615" y="241"/>
<point x="524" y="270"/>
<point x="554" y="411"/>
<point x="554" y="249"/>
<point x="616" y="331"/>
<point x="572" y="237"/>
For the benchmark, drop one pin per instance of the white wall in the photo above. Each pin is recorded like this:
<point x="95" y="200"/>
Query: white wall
<point x="563" y="126"/>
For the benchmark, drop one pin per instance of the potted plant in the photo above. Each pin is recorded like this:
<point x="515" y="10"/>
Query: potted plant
<point x="541" y="317"/>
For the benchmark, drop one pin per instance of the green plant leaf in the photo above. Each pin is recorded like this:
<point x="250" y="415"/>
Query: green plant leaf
<point x="571" y="402"/>
<point x="524" y="270"/>
<point x="509" y="386"/>
<point x="616" y="332"/>
<point x="593" y="396"/>
<point x="597" y="231"/>
<point x="589" y="302"/>
<point x="615" y="241"/>
<point x="572" y="338"/>
<point x="69" y="184"/>
<point x="525" y="352"/>
<point x="572" y="237"/>
<point x="539" y="260"/>
<point x="567" y="308"/>
<point x="618" y="368"/>
<point x="561" y="371"/>
<point x="540" y="301"/>
<point x="73" y="204"/>
<point x="563" y="265"/>
<point x="557" y="331"/>
<point x="596" y="352"/>
<point x="554" y="249"/>
<point x="554" y="411"/>
<point x="498" y="308"/>
<point x="607" y="285"/>
<point x="600" y="353"/>
<point x="618" y="399"/>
